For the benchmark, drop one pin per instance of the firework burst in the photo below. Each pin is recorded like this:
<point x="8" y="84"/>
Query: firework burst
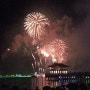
<point x="35" y="24"/>
<point x="56" y="49"/>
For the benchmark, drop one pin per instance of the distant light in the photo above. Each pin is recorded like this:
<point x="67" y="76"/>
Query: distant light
<point x="56" y="71"/>
<point x="60" y="77"/>
<point x="35" y="73"/>
<point x="60" y="72"/>
<point x="18" y="75"/>
<point x="50" y="71"/>
<point x="43" y="75"/>
<point x="8" y="49"/>
<point x="66" y="72"/>
<point x="87" y="77"/>
<point x="54" y="60"/>
<point x="37" y="46"/>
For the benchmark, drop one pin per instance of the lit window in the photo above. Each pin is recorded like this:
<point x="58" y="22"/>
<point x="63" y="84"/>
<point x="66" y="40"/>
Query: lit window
<point x="43" y="70"/>
<point x="60" y="72"/>
<point x="66" y="72"/>
<point x="56" y="71"/>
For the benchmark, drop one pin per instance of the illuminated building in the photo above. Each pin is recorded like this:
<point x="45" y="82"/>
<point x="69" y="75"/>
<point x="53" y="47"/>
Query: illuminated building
<point x="59" y="74"/>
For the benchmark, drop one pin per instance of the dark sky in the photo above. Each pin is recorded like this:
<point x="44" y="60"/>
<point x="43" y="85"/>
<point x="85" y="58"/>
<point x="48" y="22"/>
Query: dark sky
<point x="13" y="12"/>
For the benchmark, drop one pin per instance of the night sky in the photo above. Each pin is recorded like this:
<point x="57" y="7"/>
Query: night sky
<point x="12" y="14"/>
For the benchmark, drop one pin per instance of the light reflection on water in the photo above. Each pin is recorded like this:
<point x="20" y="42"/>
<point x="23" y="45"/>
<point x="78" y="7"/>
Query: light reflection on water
<point x="41" y="81"/>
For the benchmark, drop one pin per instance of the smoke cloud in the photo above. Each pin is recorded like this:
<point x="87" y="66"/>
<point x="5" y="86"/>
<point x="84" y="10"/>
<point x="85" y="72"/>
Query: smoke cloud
<point x="76" y="39"/>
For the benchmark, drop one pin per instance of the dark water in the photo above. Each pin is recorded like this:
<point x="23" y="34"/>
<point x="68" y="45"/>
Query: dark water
<point x="31" y="83"/>
<point x="21" y="82"/>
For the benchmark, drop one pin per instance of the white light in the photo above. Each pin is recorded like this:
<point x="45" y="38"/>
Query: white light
<point x="50" y="71"/>
<point x="54" y="60"/>
<point x="37" y="47"/>
<point x="66" y="72"/>
<point x="60" y="72"/>
<point x="43" y="75"/>
<point x="35" y="73"/>
<point x="56" y="71"/>
<point x="8" y="49"/>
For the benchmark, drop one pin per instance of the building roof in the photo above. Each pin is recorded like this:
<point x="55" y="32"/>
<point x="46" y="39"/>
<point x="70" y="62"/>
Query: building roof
<point x="58" y="65"/>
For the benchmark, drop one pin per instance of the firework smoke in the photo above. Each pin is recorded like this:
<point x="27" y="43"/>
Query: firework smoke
<point x="51" y="46"/>
<point x="56" y="49"/>
<point x="60" y="29"/>
<point x="78" y="41"/>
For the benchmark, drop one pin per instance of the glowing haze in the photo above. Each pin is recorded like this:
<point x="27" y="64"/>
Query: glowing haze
<point x="35" y="26"/>
<point x="56" y="49"/>
<point x="43" y="41"/>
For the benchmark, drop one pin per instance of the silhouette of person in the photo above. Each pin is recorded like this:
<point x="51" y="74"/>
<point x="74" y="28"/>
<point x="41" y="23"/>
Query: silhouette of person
<point x="72" y="86"/>
<point x="36" y="88"/>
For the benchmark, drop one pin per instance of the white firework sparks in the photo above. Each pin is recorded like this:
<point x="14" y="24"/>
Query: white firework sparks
<point x="35" y="24"/>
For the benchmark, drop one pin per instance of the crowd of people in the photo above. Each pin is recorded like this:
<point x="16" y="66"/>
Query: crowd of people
<point x="69" y="86"/>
